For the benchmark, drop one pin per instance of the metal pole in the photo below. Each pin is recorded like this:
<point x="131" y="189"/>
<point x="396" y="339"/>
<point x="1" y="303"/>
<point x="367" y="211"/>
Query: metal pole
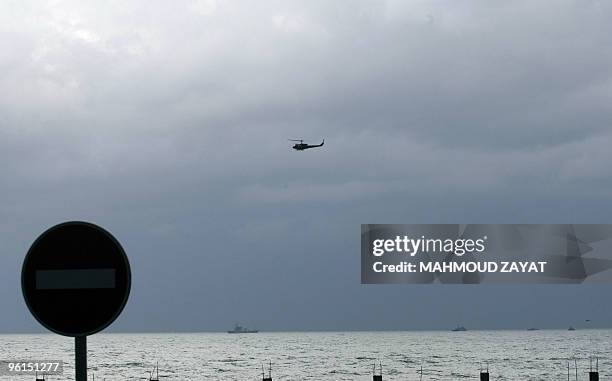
<point x="80" y="352"/>
<point x="575" y="364"/>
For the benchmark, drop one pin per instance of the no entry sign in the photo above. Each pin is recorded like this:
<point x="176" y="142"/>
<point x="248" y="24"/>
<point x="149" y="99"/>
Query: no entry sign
<point x="76" y="279"/>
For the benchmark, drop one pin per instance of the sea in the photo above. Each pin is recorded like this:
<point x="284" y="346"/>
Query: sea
<point x="509" y="355"/>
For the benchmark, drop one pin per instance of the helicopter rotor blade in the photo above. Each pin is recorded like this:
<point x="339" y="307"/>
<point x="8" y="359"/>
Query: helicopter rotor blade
<point x="296" y="140"/>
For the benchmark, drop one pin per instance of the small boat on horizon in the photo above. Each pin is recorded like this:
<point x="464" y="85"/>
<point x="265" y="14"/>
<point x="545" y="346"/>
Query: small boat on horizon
<point x="240" y="329"/>
<point x="571" y="328"/>
<point x="459" y="328"/>
<point x="533" y="329"/>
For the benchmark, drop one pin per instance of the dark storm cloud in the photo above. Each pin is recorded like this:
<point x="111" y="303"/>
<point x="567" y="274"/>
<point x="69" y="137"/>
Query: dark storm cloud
<point x="167" y="123"/>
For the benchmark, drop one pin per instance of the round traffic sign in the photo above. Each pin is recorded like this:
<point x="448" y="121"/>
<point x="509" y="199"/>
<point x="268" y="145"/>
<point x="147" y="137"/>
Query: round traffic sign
<point x="76" y="279"/>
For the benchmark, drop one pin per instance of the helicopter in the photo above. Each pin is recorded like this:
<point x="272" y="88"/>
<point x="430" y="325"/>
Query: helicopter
<point x="302" y="146"/>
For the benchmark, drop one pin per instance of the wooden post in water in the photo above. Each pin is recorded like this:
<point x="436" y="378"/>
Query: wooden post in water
<point x="484" y="375"/>
<point x="152" y="373"/>
<point x="377" y="377"/>
<point x="576" y="365"/>
<point x="594" y="375"/>
<point x="269" y="378"/>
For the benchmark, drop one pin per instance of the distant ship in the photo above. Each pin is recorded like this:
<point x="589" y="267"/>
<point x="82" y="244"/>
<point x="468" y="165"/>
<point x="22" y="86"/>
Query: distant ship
<point x="241" y="329"/>
<point x="533" y="329"/>
<point x="459" y="328"/>
<point x="571" y="328"/>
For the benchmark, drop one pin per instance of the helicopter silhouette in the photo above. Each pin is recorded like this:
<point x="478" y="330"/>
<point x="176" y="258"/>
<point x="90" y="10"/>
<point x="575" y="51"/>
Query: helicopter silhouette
<point x="302" y="146"/>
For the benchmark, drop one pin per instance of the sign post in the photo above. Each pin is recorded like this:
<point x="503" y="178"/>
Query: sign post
<point x="80" y="358"/>
<point x="76" y="280"/>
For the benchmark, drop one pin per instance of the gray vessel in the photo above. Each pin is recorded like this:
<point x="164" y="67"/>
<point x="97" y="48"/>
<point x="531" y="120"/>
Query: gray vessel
<point x="241" y="329"/>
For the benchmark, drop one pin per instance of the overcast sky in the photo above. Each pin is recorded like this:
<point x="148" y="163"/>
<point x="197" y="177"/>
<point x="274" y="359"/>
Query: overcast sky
<point x="167" y="124"/>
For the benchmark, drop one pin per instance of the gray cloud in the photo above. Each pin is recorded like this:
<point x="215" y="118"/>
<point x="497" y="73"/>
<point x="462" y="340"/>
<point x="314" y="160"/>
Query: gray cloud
<point x="167" y="123"/>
